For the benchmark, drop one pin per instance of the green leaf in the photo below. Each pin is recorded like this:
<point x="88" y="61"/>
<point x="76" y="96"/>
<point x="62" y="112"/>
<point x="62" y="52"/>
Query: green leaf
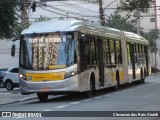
<point x="8" y="21"/>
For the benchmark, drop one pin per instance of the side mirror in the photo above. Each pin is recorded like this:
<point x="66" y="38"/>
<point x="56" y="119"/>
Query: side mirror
<point x="13" y="50"/>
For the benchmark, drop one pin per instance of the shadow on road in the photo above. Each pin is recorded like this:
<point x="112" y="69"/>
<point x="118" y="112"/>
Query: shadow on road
<point x="80" y="96"/>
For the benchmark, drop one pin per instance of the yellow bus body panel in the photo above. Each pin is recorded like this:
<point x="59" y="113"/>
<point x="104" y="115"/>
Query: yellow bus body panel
<point x="38" y="77"/>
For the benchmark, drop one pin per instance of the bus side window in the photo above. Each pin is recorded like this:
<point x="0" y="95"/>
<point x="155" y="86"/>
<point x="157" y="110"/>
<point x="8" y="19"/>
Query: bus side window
<point x="112" y="51"/>
<point x="136" y="50"/>
<point x="118" y="52"/>
<point x="93" y="60"/>
<point x="128" y="53"/>
<point x="105" y="52"/>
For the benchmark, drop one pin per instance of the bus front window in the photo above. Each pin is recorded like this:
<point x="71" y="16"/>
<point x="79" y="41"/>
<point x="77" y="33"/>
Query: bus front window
<point x="47" y="51"/>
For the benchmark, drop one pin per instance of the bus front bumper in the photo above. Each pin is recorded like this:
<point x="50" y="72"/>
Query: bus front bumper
<point x="67" y="85"/>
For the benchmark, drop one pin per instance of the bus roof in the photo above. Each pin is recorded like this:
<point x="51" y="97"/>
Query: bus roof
<point x="132" y="37"/>
<point x="81" y="26"/>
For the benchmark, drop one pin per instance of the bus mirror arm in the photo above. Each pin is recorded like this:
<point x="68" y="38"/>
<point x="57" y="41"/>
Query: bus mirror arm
<point x="16" y="38"/>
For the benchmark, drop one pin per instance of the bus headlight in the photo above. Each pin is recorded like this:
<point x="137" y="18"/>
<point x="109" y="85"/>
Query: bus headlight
<point x="22" y="76"/>
<point x="71" y="74"/>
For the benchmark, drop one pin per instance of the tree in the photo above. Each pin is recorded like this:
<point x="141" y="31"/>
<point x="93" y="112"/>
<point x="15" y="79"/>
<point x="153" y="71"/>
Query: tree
<point x="134" y="5"/>
<point x="135" y="8"/>
<point x="117" y="21"/>
<point x="9" y="20"/>
<point x="152" y="36"/>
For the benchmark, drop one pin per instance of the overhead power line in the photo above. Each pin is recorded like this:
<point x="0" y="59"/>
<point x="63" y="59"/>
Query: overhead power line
<point x="109" y="4"/>
<point x="67" y="11"/>
<point x="79" y="8"/>
<point x="68" y="16"/>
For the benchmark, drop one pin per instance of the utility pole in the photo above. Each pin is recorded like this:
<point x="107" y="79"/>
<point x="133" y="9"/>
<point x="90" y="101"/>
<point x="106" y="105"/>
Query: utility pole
<point x="155" y="63"/>
<point x="24" y="16"/>
<point x="138" y="21"/>
<point x="101" y="12"/>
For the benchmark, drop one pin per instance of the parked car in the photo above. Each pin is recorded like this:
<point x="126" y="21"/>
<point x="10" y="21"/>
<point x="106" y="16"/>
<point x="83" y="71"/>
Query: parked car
<point x="11" y="78"/>
<point x="2" y="71"/>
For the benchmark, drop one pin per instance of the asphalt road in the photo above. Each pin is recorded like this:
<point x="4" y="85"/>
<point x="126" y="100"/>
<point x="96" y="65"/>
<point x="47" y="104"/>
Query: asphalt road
<point x="133" y="97"/>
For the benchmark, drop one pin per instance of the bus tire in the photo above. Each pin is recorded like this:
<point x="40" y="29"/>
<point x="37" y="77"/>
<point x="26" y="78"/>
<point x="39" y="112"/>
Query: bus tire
<point x="89" y="93"/>
<point x="145" y="75"/>
<point x="43" y="97"/>
<point x="142" y="77"/>
<point x="117" y="81"/>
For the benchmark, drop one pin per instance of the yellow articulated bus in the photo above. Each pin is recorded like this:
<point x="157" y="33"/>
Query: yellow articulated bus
<point x="75" y="56"/>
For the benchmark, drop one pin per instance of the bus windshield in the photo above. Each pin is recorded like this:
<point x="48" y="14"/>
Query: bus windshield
<point x="47" y="51"/>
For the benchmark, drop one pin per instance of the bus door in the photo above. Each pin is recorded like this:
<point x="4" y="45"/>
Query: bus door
<point x="132" y="53"/>
<point x="100" y="62"/>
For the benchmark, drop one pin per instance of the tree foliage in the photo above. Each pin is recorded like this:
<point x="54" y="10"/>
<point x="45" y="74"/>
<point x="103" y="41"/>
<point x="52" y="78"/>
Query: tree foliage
<point x="117" y="21"/>
<point x="8" y="20"/>
<point x="152" y="36"/>
<point x="134" y="5"/>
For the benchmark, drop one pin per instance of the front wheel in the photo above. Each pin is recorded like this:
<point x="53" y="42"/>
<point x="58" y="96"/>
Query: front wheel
<point x="9" y="85"/>
<point x="43" y="97"/>
<point x="89" y="93"/>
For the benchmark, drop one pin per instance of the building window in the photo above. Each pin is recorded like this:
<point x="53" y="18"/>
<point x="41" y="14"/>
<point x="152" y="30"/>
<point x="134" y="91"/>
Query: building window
<point x="152" y="20"/>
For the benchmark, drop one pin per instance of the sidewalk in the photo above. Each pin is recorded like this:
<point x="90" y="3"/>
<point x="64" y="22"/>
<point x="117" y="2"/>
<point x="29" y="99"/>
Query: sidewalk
<point x="13" y="97"/>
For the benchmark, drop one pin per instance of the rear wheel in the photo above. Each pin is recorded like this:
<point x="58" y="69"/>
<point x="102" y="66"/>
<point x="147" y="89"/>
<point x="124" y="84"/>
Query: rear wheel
<point x="142" y="77"/>
<point x="9" y="85"/>
<point x="117" y="81"/>
<point x="43" y="97"/>
<point x="117" y="85"/>
<point x="145" y="74"/>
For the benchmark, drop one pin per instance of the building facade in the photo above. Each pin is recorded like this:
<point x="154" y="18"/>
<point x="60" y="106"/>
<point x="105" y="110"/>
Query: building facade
<point x="6" y="60"/>
<point x="155" y="57"/>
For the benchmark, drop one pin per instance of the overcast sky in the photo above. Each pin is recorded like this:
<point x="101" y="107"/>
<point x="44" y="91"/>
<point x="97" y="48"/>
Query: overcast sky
<point x="75" y="8"/>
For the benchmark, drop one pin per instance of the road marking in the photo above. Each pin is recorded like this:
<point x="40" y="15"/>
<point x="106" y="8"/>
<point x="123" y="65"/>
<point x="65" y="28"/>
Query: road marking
<point x="23" y="99"/>
<point x="62" y="106"/>
<point x="149" y="96"/>
<point x="74" y="103"/>
<point x="87" y="100"/>
<point x="47" y="110"/>
<point x="5" y="93"/>
<point x="98" y="97"/>
<point x="106" y="95"/>
<point x="146" y="85"/>
<point x="129" y="89"/>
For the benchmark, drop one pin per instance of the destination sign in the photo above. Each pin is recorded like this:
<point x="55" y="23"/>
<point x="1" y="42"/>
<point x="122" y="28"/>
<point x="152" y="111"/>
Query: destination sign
<point x="45" y="40"/>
